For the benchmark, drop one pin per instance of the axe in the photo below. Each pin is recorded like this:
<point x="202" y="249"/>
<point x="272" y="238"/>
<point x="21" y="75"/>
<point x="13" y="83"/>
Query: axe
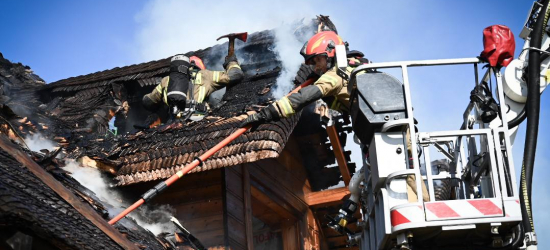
<point x="241" y="36"/>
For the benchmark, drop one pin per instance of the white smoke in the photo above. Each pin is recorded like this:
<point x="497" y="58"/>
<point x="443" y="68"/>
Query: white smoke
<point x="37" y="141"/>
<point x="287" y="47"/>
<point x="168" y="27"/>
<point x="91" y="178"/>
<point x="156" y="220"/>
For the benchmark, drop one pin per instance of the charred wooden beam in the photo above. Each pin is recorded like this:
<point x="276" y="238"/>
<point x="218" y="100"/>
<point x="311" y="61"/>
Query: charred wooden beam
<point x="339" y="153"/>
<point x="327" y="197"/>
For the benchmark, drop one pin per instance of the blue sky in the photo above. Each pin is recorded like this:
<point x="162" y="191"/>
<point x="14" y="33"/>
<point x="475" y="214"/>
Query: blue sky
<point x="60" y="39"/>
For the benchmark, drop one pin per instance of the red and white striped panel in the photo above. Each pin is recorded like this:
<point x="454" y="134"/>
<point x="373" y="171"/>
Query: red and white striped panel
<point x="460" y="209"/>
<point x="406" y="214"/>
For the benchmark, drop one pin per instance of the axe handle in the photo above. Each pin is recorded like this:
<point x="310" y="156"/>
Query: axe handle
<point x="231" y="49"/>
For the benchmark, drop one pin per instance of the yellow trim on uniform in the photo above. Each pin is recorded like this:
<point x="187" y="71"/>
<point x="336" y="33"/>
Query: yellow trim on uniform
<point x="198" y="79"/>
<point x="158" y="88"/>
<point x="165" y="95"/>
<point x="286" y="106"/>
<point x="163" y="90"/>
<point x="216" y="76"/>
<point x="202" y="94"/>
<point x="333" y="81"/>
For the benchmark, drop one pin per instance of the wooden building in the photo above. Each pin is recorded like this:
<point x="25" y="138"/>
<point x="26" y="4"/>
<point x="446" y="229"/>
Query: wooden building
<point x="268" y="189"/>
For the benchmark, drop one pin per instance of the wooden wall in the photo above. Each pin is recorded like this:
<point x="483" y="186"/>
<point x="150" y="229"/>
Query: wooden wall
<point x="198" y="201"/>
<point x="217" y="205"/>
<point x="211" y="205"/>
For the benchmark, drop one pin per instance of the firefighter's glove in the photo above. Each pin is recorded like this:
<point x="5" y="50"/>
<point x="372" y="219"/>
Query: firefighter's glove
<point x="267" y="114"/>
<point x="229" y="59"/>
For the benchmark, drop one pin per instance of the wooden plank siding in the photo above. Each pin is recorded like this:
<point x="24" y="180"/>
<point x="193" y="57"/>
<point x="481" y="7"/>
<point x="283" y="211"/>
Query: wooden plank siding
<point x="198" y="203"/>
<point x="247" y="197"/>
<point x="236" y="220"/>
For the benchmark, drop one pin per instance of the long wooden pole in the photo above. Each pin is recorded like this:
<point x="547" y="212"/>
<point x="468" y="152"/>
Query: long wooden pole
<point x="164" y="184"/>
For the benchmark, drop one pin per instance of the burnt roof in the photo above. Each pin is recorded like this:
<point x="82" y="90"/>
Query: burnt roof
<point x="258" y="43"/>
<point x="79" y="109"/>
<point x="160" y="153"/>
<point x="32" y="207"/>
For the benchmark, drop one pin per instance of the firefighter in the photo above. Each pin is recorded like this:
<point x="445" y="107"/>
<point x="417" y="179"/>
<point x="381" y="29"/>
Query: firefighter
<point x="173" y="89"/>
<point x="318" y="51"/>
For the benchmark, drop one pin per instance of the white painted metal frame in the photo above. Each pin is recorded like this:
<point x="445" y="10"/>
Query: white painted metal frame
<point x="492" y="137"/>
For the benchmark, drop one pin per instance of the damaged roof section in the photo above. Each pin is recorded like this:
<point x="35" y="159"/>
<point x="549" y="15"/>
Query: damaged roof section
<point x="82" y="107"/>
<point x="159" y="154"/>
<point x="29" y="206"/>
<point x="86" y="104"/>
<point x="19" y="99"/>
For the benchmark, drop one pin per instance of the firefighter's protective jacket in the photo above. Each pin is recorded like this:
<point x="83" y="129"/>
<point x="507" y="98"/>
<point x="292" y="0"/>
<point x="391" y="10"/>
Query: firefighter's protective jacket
<point x="331" y="87"/>
<point x="205" y="82"/>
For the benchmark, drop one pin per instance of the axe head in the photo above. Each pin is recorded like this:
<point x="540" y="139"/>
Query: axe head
<point x="241" y="36"/>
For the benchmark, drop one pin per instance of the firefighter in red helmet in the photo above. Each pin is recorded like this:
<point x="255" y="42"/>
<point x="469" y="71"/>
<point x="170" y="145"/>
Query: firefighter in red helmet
<point x="320" y="52"/>
<point x="193" y="72"/>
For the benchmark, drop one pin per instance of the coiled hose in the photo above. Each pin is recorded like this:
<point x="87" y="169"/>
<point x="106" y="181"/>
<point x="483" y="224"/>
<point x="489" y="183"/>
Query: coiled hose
<point x="517" y="120"/>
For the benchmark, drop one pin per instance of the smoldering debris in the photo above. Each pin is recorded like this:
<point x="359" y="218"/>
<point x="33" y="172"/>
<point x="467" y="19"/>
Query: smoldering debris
<point x="37" y="142"/>
<point x="155" y="219"/>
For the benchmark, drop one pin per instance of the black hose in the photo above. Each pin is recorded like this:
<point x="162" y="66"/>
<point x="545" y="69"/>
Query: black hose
<point x="518" y="119"/>
<point x="533" y="111"/>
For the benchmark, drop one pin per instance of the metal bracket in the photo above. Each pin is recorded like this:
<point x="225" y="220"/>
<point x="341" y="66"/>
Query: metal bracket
<point x="526" y="31"/>
<point x="530" y="238"/>
<point x="444" y="152"/>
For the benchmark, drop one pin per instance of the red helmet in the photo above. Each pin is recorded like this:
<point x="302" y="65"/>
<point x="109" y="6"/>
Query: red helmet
<point x="322" y="43"/>
<point x="195" y="60"/>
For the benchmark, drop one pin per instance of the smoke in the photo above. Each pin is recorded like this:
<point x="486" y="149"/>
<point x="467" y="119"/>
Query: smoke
<point x="37" y="141"/>
<point x="288" y="43"/>
<point x="166" y="28"/>
<point x="170" y="27"/>
<point x="92" y="179"/>
<point x="156" y="220"/>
